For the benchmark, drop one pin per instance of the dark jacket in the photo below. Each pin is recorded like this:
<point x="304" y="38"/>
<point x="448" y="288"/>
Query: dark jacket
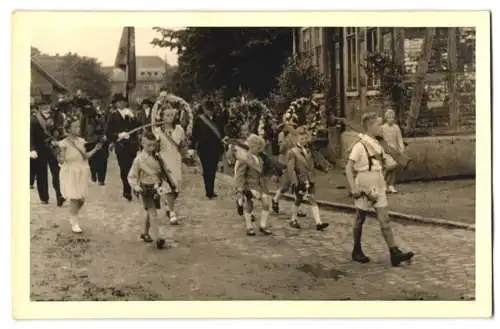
<point x="117" y="124"/>
<point x="204" y="140"/>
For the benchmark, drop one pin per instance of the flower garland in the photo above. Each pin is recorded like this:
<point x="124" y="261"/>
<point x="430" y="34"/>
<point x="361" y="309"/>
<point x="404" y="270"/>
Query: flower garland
<point x="304" y="112"/>
<point x="249" y="117"/>
<point x="185" y="112"/>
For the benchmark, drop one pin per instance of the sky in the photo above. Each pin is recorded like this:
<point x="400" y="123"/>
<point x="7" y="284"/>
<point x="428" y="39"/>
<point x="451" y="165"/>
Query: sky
<point x="99" y="42"/>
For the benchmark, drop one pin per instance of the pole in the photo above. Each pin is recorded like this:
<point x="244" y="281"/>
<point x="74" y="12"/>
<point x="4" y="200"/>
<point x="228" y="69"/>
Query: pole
<point x="127" y="85"/>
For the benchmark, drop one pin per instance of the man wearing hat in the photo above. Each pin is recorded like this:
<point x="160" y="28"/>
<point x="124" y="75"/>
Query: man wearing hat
<point x="206" y="138"/>
<point x="43" y="150"/>
<point x="126" y="146"/>
<point x="144" y="113"/>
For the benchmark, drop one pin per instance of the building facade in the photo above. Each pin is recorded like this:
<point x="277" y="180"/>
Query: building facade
<point x="150" y="78"/>
<point x="448" y="103"/>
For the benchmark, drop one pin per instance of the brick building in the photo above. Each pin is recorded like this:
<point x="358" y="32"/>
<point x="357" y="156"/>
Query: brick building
<point x="151" y="72"/>
<point x="439" y="61"/>
<point x="357" y="91"/>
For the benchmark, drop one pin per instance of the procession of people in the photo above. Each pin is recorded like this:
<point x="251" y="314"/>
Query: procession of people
<point x="74" y="138"/>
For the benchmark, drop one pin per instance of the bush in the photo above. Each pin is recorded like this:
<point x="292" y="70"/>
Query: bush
<point x="299" y="78"/>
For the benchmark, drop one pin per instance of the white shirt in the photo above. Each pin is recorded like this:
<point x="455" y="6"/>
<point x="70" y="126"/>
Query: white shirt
<point x="360" y="157"/>
<point x="125" y="112"/>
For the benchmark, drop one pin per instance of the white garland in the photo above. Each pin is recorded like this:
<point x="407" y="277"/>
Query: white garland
<point x="179" y="104"/>
<point x="291" y="116"/>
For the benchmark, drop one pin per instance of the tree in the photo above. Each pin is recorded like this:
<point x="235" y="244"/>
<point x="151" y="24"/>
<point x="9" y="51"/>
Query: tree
<point x="299" y="78"/>
<point x="234" y="59"/>
<point x="86" y="74"/>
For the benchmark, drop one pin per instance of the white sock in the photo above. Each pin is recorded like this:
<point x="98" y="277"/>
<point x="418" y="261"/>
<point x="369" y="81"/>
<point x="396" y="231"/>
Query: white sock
<point x="264" y="215"/>
<point x="315" y="214"/>
<point x="248" y="219"/>
<point x="277" y="196"/>
<point x="295" y="209"/>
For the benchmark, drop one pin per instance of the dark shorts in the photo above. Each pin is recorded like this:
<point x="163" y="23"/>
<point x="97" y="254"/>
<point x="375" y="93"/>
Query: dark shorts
<point x="150" y="198"/>
<point x="301" y="187"/>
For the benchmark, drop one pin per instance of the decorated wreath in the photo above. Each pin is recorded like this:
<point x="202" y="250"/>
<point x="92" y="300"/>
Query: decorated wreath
<point x="249" y="117"/>
<point x="185" y="113"/>
<point x="304" y="112"/>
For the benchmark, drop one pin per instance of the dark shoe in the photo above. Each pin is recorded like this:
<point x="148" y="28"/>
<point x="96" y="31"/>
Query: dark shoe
<point x="160" y="243"/>
<point x="31" y="187"/>
<point x="250" y="232"/>
<point x="102" y="183"/>
<point x="44" y="201"/>
<point x="265" y="231"/>
<point x="295" y="224"/>
<point x="276" y="206"/>
<point x="146" y="237"/>
<point x="239" y="208"/>
<point x="322" y="226"/>
<point x="252" y="217"/>
<point x="128" y="196"/>
<point x="94" y="179"/>
<point x="359" y="256"/>
<point x="398" y="257"/>
<point x="301" y="214"/>
<point x="60" y="201"/>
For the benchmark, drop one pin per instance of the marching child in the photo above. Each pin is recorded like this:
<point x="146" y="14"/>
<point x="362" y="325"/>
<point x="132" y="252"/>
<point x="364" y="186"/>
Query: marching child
<point x="146" y="176"/>
<point x="75" y="171"/>
<point x="172" y="150"/>
<point x="252" y="184"/>
<point x="392" y="135"/>
<point x="285" y="141"/>
<point x="364" y="172"/>
<point x="300" y="167"/>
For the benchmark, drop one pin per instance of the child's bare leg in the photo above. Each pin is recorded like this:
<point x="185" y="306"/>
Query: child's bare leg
<point x="390" y="178"/>
<point x="75" y="206"/>
<point x="357" y="232"/>
<point x="264" y="216"/>
<point x="397" y="256"/>
<point x="155" y="228"/>
<point x="315" y="214"/>
<point x="171" y="197"/>
<point x="295" y="209"/>
<point x="145" y="236"/>
<point x="247" y="214"/>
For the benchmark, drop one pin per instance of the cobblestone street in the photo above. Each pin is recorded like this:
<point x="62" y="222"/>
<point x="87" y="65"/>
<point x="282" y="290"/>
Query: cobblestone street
<point x="213" y="259"/>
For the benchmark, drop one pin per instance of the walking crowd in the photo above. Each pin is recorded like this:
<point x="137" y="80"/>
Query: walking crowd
<point x="74" y="138"/>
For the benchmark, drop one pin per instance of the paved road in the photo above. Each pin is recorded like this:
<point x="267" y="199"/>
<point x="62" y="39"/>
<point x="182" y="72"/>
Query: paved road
<point x="212" y="258"/>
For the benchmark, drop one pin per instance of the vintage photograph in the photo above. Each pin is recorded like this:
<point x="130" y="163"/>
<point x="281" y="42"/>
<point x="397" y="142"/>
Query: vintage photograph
<point x="253" y="163"/>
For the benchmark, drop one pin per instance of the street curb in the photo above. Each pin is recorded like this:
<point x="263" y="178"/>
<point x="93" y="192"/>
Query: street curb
<point x="393" y="214"/>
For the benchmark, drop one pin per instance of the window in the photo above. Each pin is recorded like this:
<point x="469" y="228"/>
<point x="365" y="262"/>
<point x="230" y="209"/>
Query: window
<point x="306" y="39"/>
<point x="317" y="36"/>
<point x="142" y="73"/>
<point x="317" y="57"/>
<point x="372" y="46"/>
<point x="352" y="59"/>
<point x="372" y="40"/>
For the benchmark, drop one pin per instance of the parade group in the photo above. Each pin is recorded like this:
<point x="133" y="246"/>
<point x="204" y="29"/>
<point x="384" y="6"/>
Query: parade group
<point x="73" y="137"/>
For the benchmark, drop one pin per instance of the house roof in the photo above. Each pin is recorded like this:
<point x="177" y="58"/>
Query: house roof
<point x="143" y="63"/>
<point x="35" y="65"/>
<point x="149" y="62"/>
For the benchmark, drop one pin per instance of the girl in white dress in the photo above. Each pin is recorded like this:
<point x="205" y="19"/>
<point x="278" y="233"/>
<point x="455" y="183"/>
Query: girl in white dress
<point x="172" y="150"/>
<point x="75" y="172"/>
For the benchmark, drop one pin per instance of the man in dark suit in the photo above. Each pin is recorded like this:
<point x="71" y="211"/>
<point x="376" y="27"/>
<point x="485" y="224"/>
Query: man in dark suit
<point x="206" y="139"/>
<point x="42" y="140"/>
<point x="126" y="146"/>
